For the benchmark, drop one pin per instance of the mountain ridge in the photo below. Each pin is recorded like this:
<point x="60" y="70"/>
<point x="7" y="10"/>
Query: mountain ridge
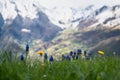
<point x="50" y="30"/>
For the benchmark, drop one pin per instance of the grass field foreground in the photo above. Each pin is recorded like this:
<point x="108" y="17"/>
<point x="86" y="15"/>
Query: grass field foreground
<point x="104" y="68"/>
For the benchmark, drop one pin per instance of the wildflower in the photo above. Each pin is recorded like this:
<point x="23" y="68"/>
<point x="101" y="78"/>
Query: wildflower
<point x="101" y="52"/>
<point x="27" y="49"/>
<point x="77" y="57"/>
<point x="40" y="52"/>
<point x="22" y="57"/>
<point x="71" y="53"/>
<point x="51" y="59"/>
<point x="85" y="52"/>
<point x="45" y="56"/>
<point x="68" y="58"/>
<point x="75" y="53"/>
<point x="79" y="51"/>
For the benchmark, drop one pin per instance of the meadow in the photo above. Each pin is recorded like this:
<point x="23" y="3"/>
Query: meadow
<point x="98" y="68"/>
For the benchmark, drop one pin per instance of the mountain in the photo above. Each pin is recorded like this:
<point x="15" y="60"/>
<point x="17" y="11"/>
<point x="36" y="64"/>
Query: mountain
<point x="102" y="31"/>
<point x="95" y="32"/>
<point x="19" y="30"/>
<point x="102" y="9"/>
<point x="106" y="39"/>
<point x="59" y="29"/>
<point x="105" y="15"/>
<point x="64" y="16"/>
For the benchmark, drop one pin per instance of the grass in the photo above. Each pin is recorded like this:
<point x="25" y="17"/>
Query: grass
<point x="104" y="68"/>
<point x="69" y="40"/>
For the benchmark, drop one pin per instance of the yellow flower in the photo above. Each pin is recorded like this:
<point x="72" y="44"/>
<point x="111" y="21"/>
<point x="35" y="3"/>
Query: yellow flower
<point x="101" y="52"/>
<point x="40" y="52"/>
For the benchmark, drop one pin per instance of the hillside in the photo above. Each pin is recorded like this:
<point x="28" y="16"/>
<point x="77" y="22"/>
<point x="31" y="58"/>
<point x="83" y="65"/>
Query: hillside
<point x="106" y="39"/>
<point x="16" y="32"/>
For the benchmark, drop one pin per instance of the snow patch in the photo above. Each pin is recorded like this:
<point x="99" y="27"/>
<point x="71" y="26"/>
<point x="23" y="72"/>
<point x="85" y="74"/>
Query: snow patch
<point x="25" y="30"/>
<point x="105" y="15"/>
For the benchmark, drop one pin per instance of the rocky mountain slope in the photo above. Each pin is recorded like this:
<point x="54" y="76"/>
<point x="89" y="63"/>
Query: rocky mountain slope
<point x="16" y="32"/>
<point x="106" y="39"/>
<point x="99" y="31"/>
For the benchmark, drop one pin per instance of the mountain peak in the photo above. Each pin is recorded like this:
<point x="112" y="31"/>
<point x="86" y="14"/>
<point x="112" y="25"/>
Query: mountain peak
<point x="102" y="9"/>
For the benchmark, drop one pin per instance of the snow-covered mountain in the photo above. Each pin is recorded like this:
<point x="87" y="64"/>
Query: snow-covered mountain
<point x="105" y="15"/>
<point x="17" y="28"/>
<point x="41" y="20"/>
<point x="62" y="13"/>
